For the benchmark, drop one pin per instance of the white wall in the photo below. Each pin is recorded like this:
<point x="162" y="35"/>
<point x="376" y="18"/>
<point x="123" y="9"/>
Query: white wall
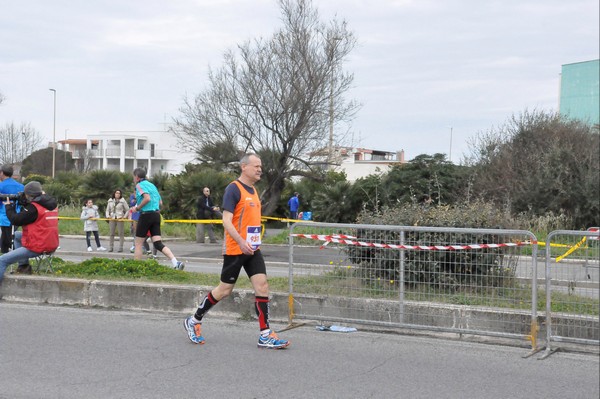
<point x="165" y="146"/>
<point x="355" y="171"/>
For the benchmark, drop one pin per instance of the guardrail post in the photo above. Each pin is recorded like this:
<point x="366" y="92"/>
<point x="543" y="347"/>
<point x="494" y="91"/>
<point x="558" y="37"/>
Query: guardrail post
<point x="401" y="288"/>
<point x="534" y="328"/>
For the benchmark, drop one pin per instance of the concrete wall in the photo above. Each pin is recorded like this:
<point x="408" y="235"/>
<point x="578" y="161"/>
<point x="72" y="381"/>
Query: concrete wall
<point x="185" y="299"/>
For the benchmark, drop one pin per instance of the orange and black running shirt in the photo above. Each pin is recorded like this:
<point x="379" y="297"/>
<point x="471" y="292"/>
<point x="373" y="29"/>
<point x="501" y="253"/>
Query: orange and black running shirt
<point x="243" y="201"/>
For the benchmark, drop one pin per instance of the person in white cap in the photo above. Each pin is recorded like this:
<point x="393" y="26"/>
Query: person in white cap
<point x="39" y="218"/>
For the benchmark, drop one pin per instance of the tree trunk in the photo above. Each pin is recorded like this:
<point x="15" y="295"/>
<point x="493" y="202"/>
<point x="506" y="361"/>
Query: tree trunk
<point x="270" y="198"/>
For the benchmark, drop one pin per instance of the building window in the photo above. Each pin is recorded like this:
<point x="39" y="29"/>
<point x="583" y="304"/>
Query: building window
<point x="140" y="145"/>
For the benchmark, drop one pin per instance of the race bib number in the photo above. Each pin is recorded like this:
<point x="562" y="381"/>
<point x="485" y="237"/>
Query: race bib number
<point x="253" y="236"/>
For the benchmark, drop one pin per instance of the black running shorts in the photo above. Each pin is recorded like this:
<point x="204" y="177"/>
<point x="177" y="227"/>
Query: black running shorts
<point x="148" y="222"/>
<point x="232" y="265"/>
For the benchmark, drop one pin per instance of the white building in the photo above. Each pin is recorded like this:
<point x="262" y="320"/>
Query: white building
<point x="361" y="162"/>
<point x="157" y="151"/>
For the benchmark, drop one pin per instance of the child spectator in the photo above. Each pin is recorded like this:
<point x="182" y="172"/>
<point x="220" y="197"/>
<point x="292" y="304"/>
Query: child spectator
<point x="90" y="215"/>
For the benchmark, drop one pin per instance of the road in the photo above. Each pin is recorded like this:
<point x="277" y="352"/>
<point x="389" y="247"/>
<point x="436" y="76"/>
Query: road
<point x="61" y="352"/>
<point x="207" y="258"/>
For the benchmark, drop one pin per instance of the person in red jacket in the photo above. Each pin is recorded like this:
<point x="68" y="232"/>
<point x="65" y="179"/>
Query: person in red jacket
<point x="39" y="218"/>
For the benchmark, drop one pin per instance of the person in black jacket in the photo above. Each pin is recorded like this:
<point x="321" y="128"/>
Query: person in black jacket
<point x="39" y="217"/>
<point x="206" y="210"/>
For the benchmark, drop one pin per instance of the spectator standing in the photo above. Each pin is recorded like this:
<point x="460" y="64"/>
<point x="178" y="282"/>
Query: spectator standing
<point x="242" y="223"/>
<point x="148" y="203"/>
<point x="294" y="204"/>
<point x="206" y="209"/>
<point x="8" y="185"/>
<point x="116" y="211"/>
<point x="90" y="215"/>
<point x="39" y="218"/>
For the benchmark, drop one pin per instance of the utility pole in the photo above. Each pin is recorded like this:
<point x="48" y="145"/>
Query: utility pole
<point x="450" y="151"/>
<point x="54" y="137"/>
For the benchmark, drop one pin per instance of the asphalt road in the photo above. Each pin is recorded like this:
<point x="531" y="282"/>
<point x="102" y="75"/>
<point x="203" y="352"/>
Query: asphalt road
<point x="62" y="352"/>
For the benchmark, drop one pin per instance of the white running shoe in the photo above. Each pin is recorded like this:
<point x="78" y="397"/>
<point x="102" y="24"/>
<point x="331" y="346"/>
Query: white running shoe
<point x="101" y="249"/>
<point x="90" y="249"/>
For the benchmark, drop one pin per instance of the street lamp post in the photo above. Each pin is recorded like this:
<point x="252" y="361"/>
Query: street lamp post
<point x="450" y="152"/>
<point x="330" y="152"/>
<point x="54" y="137"/>
<point x="65" y="148"/>
<point x="331" y="123"/>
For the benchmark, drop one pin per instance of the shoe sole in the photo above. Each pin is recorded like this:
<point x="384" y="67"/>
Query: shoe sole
<point x="186" y="330"/>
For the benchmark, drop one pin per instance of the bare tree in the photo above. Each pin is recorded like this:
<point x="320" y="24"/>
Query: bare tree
<point x="85" y="161"/>
<point x="276" y="97"/>
<point x="17" y="142"/>
<point x="540" y="162"/>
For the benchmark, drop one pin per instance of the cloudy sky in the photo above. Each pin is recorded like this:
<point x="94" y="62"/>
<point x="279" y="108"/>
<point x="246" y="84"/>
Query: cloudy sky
<point x="423" y="68"/>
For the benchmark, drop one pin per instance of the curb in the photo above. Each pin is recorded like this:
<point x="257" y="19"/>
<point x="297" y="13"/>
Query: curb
<point x="129" y="296"/>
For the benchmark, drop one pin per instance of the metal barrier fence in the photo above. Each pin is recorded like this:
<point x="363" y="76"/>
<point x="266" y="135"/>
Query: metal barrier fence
<point x="466" y="281"/>
<point x="572" y="288"/>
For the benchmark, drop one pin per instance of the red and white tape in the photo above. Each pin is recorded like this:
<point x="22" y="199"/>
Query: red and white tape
<point x="349" y="240"/>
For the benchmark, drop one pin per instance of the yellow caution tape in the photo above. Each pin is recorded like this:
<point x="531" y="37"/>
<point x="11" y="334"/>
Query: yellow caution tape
<point x="570" y="251"/>
<point x="108" y="220"/>
<point x="195" y="221"/>
<point x="286" y="220"/>
<point x="554" y="245"/>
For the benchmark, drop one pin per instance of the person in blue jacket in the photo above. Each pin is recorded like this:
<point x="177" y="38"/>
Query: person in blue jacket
<point x="294" y="204"/>
<point x="7" y="186"/>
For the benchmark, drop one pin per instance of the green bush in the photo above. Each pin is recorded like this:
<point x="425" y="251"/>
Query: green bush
<point x="39" y="178"/>
<point x="60" y="191"/>
<point x="99" y="185"/>
<point x="181" y="192"/>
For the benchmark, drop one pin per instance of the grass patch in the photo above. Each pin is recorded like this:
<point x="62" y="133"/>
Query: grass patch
<point x="146" y="271"/>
